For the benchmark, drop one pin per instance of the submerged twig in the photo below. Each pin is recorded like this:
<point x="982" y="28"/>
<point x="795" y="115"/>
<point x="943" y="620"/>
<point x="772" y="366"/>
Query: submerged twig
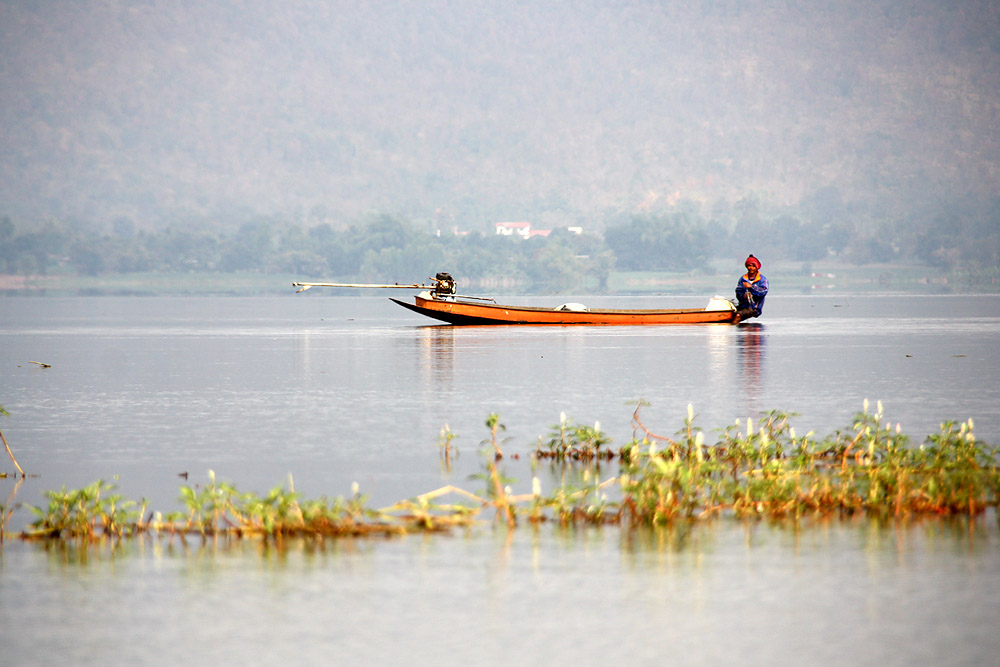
<point x="11" y="454"/>
<point x="4" y="413"/>
<point x="649" y="434"/>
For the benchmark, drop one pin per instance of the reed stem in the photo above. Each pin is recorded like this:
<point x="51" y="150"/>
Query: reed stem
<point x="11" y="454"/>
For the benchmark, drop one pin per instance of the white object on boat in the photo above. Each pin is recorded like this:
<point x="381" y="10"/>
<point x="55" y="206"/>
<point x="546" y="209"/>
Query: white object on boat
<point x="720" y="303"/>
<point x="575" y="307"/>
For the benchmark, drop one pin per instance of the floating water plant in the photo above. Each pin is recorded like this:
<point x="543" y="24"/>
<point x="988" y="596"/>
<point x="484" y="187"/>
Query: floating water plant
<point x="88" y="512"/>
<point x="574" y="441"/>
<point x="448" y="450"/>
<point x="769" y="470"/>
<point x="217" y="509"/>
<point x="493" y="423"/>
<point x="759" y="468"/>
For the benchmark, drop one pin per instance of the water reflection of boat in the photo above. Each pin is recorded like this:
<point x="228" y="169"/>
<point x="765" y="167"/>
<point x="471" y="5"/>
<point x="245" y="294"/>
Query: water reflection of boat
<point x="751" y="347"/>
<point x="440" y="301"/>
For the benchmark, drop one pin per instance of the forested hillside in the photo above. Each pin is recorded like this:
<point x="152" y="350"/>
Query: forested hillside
<point x="460" y="114"/>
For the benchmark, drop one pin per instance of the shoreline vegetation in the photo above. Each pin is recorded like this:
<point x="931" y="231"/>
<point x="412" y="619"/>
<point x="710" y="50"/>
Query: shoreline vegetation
<point x="793" y="277"/>
<point x="754" y="470"/>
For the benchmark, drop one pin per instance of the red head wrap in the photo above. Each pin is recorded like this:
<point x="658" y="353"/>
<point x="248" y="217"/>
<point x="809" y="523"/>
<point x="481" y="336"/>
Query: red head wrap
<point x="752" y="260"/>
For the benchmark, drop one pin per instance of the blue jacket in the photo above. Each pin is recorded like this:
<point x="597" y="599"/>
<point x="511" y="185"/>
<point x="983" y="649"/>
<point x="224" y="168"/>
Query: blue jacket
<point x="752" y="297"/>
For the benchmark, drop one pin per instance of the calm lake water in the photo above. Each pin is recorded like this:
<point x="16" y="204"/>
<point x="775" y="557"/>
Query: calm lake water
<point x="337" y="390"/>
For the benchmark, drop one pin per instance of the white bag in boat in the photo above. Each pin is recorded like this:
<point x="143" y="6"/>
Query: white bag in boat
<point x="720" y="303"/>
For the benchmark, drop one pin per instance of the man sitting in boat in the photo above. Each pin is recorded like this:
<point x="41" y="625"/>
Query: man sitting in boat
<point x="750" y="291"/>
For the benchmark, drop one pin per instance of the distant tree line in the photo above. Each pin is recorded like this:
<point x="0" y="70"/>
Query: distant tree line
<point x="384" y="248"/>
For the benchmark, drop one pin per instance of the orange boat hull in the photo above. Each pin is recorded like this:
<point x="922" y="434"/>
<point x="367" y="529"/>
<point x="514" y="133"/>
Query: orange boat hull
<point x="463" y="313"/>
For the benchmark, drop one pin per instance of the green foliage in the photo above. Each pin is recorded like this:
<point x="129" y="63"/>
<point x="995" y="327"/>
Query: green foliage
<point x="493" y="423"/>
<point x="662" y="242"/>
<point x="555" y="270"/>
<point x="754" y="470"/>
<point x="85" y="513"/>
<point x="250" y="246"/>
<point x="572" y="440"/>
<point x="387" y="249"/>
<point x="448" y="450"/>
<point x="768" y="470"/>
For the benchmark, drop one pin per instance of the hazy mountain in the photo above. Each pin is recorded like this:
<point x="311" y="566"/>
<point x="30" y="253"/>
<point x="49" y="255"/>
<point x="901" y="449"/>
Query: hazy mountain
<point x="472" y="112"/>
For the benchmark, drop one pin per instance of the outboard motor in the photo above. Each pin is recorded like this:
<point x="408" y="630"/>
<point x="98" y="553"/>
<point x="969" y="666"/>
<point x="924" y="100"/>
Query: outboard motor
<point x="444" y="284"/>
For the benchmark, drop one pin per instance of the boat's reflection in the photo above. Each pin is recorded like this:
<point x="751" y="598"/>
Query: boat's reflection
<point x="752" y="351"/>
<point x="437" y="345"/>
<point x="440" y="346"/>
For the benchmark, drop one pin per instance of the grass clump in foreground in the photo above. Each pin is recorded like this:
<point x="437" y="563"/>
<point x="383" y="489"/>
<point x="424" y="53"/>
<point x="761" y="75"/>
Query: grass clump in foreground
<point x="761" y="469"/>
<point x="768" y="470"/>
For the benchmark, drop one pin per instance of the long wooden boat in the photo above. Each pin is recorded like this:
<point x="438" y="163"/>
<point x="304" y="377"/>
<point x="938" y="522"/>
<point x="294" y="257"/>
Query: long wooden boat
<point x="440" y="302"/>
<point x="461" y="311"/>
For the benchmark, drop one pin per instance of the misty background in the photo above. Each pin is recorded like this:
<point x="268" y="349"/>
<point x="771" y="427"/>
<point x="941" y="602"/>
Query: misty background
<point x="349" y="139"/>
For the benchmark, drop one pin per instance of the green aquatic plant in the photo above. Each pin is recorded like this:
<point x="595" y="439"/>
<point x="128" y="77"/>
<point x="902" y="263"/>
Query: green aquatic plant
<point x="448" y="450"/>
<point x="870" y="467"/>
<point x="220" y="509"/>
<point x="755" y="469"/>
<point x="493" y="423"/>
<point x="569" y="440"/>
<point x="86" y="513"/>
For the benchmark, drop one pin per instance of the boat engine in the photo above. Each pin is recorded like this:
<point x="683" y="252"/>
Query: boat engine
<point x="444" y="284"/>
